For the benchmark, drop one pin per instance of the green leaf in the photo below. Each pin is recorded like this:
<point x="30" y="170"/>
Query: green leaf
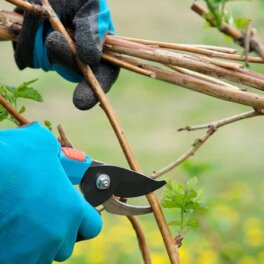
<point x="186" y="198"/>
<point x="48" y="124"/>
<point x="22" y="109"/>
<point x="172" y="203"/>
<point x="193" y="222"/>
<point x="28" y="92"/>
<point x="200" y="193"/>
<point x="175" y="223"/>
<point x="174" y="195"/>
<point x="192" y="183"/>
<point x="192" y="205"/>
<point x="3" y="113"/>
<point x="29" y="82"/>
<point x="241" y="23"/>
<point x="196" y="169"/>
<point x="11" y="94"/>
<point x="195" y="206"/>
<point x="190" y="195"/>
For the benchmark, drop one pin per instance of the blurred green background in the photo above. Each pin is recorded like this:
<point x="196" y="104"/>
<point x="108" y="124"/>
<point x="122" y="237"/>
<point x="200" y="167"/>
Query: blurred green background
<point x="229" y="166"/>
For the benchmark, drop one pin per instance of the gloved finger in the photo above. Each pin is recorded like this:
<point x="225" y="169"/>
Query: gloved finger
<point x="59" y="52"/>
<point x="92" y="23"/>
<point x="83" y="97"/>
<point x="67" y="248"/>
<point x="91" y="224"/>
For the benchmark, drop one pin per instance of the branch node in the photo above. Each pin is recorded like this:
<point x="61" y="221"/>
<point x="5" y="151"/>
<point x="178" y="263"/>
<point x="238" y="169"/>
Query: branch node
<point x="40" y="11"/>
<point x="179" y="240"/>
<point x="212" y="128"/>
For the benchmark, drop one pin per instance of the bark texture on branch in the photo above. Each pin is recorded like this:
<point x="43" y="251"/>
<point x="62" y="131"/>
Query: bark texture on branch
<point x="186" y="61"/>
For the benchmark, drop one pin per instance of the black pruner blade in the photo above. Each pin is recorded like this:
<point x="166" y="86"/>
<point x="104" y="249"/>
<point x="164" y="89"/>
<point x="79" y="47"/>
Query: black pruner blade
<point x="101" y="182"/>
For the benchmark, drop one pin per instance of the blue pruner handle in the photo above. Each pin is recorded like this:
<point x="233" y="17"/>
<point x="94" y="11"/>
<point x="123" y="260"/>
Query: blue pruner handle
<point x="75" y="163"/>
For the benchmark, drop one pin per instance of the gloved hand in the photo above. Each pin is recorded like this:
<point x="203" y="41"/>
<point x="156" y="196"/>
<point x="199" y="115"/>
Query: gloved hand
<point x="38" y="46"/>
<point x="41" y="212"/>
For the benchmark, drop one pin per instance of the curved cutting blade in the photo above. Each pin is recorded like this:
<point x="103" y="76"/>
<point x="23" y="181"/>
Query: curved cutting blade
<point x="123" y="183"/>
<point x="116" y="207"/>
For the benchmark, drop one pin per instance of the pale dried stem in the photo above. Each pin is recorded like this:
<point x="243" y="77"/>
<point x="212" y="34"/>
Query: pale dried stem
<point x="5" y="34"/>
<point x="92" y="81"/>
<point x="199" y="142"/>
<point x="210" y="51"/>
<point x="199" y="49"/>
<point x="207" y="61"/>
<point x="212" y="128"/>
<point x="201" y="65"/>
<point x="201" y="86"/>
<point x="223" y="122"/>
<point x="141" y="239"/>
<point x="203" y="77"/>
<point x="125" y="65"/>
<point x="224" y="64"/>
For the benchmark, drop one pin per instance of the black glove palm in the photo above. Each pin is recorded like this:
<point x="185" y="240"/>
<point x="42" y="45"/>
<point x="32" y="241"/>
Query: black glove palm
<point x="39" y="47"/>
<point x="84" y="98"/>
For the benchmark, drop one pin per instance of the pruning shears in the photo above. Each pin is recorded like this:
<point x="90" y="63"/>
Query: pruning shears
<point x="101" y="183"/>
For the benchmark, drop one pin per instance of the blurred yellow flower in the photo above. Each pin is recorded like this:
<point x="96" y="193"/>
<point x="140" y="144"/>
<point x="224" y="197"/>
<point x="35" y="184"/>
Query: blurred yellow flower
<point x="226" y="213"/>
<point x="236" y="191"/>
<point x="261" y="257"/>
<point x="248" y="260"/>
<point x="160" y="258"/>
<point x="253" y="231"/>
<point x="184" y="255"/>
<point x="207" y="257"/>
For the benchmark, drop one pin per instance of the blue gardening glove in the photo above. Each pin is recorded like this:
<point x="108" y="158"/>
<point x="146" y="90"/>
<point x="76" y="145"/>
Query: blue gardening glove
<point x="39" y="47"/>
<point x="41" y="212"/>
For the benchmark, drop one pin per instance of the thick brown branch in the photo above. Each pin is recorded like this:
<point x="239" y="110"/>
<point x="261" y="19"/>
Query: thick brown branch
<point x="141" y="240"/>
<point x="13" y="112"/>
<point x="202" y="86"/>
<point x="37" y="10"/>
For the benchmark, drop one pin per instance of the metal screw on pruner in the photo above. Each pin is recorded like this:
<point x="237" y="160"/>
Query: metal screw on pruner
<point x="103" y="182"/>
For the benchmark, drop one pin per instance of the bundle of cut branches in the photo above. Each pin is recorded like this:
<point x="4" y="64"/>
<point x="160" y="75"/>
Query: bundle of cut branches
<point x="215" y="71"/>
